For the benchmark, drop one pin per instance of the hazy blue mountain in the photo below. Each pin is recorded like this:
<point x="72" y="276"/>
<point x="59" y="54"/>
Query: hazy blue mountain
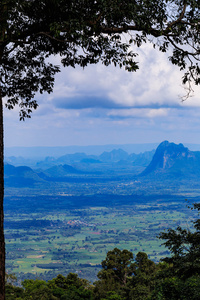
<point x="26" y="177"/>
<point x="114" y="155"/>
<point x="174" y="160"/>
<point x="21" y="171"/>
<point x="41" y="152"/>
<point x="21" y="161"/>
<point x="142" y="159"/>
<point x="61" y="171"/>
<point x="71" y="158"/>
<point x="67" y="159"/>
<point x="90" y="161"/>
<point x="20" y="176"/>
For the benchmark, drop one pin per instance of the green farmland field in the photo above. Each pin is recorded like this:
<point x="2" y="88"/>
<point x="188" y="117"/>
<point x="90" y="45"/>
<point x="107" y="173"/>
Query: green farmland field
<point x="51" y="234"/>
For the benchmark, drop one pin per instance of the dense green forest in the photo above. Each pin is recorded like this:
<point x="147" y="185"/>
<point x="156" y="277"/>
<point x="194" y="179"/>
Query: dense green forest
<point x="124" y="276"/>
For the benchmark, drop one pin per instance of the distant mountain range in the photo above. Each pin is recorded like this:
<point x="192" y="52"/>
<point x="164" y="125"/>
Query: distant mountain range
<point x="59" y="169"/>
<point x="42" y="152"/>
<point x="80" y="158"/>
<point x="169" y="161"/>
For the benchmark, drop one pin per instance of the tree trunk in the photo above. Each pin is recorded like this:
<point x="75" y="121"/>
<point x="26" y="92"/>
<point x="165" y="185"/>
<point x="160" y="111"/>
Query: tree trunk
<point x="2" y="241"/>
<point x="3" y="24"/>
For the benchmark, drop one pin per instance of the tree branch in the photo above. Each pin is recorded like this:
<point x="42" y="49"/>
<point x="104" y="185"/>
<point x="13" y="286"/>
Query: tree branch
<point x="179" y="19"/>
<point x="182" y="50"/>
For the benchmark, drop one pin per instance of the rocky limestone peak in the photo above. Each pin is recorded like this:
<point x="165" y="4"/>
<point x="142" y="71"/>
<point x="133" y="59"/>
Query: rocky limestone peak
<point x="167" y="154"/>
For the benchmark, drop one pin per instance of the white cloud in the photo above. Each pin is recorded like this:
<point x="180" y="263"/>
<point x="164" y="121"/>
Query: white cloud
<point x="100" y="105"/>
<point x="156" y="83"/>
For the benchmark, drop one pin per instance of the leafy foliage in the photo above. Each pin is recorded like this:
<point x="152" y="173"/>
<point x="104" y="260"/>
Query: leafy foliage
<point x="70" y="288"/>
<point x="185" y="248"/>
<point x="181" y="278"/>
<point x="85" y="32"/>
<point x="124" y="278"/>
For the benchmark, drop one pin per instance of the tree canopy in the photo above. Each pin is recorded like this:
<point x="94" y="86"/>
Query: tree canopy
<point x="185" y="248"/>
<point x="85" y="32"/>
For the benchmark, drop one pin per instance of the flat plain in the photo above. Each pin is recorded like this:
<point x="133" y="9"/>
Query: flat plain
<point x="69" y="227"/>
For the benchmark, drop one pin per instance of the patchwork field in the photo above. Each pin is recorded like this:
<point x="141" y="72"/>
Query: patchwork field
<point x="61" y="234"/>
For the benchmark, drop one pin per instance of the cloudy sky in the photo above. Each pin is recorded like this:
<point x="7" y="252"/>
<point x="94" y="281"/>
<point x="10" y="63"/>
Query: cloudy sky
<point x="106" y="105"/>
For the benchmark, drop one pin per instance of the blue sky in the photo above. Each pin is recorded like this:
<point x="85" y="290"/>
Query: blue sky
<point x="105" y="105"/>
